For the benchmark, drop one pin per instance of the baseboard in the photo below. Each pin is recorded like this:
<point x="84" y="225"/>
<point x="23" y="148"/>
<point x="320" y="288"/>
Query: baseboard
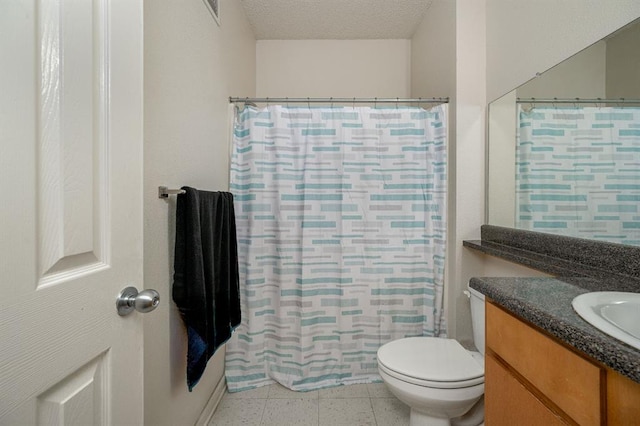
<point x="212" y="403"/>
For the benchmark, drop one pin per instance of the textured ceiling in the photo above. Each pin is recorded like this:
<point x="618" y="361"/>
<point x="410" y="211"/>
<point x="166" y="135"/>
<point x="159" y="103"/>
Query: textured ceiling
<point x="334" y="19"/>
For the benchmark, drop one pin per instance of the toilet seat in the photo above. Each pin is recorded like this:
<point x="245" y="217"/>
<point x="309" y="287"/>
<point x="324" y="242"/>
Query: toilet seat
<point x="431" y="362"/>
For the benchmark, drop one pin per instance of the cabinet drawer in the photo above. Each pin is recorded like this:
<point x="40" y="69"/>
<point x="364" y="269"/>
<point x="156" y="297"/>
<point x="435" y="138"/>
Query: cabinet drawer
<point x="508" y="402"/>
<point x="570" y="381"/>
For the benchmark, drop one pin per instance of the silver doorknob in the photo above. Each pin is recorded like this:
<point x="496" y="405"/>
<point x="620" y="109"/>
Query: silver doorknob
<point x="129" y="299"/>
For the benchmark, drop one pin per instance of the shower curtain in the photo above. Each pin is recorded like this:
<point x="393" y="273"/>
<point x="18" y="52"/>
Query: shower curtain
<point x="341" y="218"/>
<point x="578" y="172"/>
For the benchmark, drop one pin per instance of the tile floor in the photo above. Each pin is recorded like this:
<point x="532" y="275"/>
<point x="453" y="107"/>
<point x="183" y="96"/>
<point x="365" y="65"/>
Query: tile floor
<point x="275" y="405"/>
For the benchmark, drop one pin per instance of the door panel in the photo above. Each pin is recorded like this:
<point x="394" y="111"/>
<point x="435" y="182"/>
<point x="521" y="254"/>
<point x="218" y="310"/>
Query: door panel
<point x="72" y="144"/>
<point x="71" y="211"/>
<point x="80" y="399"/>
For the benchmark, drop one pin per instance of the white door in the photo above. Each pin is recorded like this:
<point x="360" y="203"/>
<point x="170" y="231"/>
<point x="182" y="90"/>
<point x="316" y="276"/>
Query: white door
<point x="70" y="211"/>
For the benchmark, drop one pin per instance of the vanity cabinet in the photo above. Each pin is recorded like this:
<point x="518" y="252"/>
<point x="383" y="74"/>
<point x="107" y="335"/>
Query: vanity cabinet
<point x="533" y="379"/>
<point x="508" y="402"/>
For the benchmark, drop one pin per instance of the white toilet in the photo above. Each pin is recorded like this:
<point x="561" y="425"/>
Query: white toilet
<point x="437" y="378"/>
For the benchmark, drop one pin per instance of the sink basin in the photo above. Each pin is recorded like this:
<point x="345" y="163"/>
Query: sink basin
<point x="613" y="312"/>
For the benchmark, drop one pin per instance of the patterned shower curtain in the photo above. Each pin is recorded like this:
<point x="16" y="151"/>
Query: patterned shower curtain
<point x="578" y="172"/>
<point x="341" y="218"/>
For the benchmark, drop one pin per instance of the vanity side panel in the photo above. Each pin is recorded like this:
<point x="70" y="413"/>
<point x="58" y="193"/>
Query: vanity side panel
<point x="623" y="400"/>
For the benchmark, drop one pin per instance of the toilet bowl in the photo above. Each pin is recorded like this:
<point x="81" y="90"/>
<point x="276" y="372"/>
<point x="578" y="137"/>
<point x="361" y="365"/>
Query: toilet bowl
<point x="437" y="378"/>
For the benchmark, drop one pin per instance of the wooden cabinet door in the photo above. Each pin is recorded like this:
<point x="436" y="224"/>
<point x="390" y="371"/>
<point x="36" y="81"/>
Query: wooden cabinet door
<point x="508" y="402"/>
<point x="572" y="382"/>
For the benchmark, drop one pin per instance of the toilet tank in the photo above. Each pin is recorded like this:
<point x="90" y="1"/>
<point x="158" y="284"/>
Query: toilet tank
<point x="477" y="318"/>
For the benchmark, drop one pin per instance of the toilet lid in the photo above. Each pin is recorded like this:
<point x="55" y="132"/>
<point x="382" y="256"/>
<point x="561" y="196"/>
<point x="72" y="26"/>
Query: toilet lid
<point x="430" y="358"/>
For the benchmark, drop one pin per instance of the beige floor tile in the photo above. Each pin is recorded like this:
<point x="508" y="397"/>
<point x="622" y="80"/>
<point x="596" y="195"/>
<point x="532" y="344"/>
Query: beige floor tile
<point x="348" y="391"/>
<point x="259" y="393"/>
<point x="390" y="412"/>
<point x="236" y="412"/>
<point x="290" y="412"/>
<point x="379" y="390"/>
<point x="346" y="412"/>
<point x="278" y="391"/>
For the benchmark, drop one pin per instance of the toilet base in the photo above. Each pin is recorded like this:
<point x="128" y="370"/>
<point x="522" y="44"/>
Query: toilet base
<point x="430" y="406"/>
<point x="473" y="417"/>
<point x="420" y="419"/>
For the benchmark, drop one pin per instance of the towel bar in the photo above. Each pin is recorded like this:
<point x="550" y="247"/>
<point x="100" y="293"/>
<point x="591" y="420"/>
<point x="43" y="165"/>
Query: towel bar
<point x="164" y="192"/>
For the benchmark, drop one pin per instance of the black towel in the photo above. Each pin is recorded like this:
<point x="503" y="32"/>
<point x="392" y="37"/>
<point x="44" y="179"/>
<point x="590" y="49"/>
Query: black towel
<point x="205" y="280"/>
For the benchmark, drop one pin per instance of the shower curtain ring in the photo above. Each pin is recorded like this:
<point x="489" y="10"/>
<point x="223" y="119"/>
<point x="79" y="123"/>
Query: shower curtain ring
<point x="308" y="103"/>
<point x="267" y="102"/>
<point x="354" y="103"/>
<point x="419" y="102"/>
<point x="397" y="100"/>
<point x="331" y="99"/>
<point x="375" y="103"/>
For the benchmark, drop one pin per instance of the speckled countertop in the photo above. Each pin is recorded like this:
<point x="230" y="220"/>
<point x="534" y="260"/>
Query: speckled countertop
<point x="546" y="303"/>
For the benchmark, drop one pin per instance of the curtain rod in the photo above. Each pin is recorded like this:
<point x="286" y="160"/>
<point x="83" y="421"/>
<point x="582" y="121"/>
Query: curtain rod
<point x="576" y="101"/>
<point x="340" y="100"/>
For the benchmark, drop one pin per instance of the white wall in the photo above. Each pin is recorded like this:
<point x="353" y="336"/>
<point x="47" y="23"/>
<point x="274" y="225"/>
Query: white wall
<point x="623" y="64"/>
<point x="495" y="267"/>
<point x="433" y="74"/>
<point x="471" y="101"/>
<point x="333" y="68"/>
<point x="433" y="52"/>
<point x="448" y="59"/>
<point x="192" y="66"/>
<point x="582" y="75"/>
<point x="525" y="37"/>
<point x="501" y="173"/>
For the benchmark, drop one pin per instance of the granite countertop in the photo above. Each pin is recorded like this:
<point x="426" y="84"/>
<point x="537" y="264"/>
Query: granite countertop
<point x="608" y="280"/>
<point x="546" y="303"/>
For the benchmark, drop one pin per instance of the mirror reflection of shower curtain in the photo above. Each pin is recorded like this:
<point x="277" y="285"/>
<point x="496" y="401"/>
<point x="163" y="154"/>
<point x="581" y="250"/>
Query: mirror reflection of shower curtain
<point x="341" y="217"/>
<point x="578" y="172"/>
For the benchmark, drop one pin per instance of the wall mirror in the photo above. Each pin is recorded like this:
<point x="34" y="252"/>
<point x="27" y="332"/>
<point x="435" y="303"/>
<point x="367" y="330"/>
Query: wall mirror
<point x="564" y="148"/>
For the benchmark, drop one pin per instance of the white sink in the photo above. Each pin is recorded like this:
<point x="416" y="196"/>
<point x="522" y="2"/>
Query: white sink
<point x="613" y="312"/>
